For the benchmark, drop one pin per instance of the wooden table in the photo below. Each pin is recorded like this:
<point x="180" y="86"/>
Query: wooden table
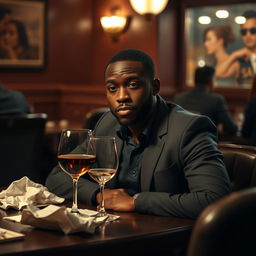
<point x="132" y="234"/>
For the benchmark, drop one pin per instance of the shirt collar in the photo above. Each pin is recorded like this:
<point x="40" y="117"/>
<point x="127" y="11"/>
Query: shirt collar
<point x="124" y="133"/>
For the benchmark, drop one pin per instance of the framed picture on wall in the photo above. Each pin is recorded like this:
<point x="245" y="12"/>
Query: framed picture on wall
<point x="214" y="35"/>
<point x="22" y="34"/>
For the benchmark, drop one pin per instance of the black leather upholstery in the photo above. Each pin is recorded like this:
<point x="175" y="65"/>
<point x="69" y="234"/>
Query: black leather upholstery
<point x="226" y="227"/>
<point x="240" y="162"/>
<point x="92" y="117"/>
<point x="21" y="147"/>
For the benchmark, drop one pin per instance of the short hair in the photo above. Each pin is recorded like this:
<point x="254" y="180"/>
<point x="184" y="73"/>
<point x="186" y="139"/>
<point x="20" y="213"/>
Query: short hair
<point x="203" y="75"/>
<point x="249" y="14"/>
<point x="136" y="55"/>
<point x="224" y="32"/>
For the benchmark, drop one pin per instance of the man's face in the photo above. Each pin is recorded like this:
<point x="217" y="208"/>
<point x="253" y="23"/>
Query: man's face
<point x="248" y="37"/>
<point x="130" y="91"/>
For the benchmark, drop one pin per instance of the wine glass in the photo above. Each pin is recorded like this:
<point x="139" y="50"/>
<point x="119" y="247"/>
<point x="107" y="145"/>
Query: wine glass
<point x="105" y="166"/>
<point x="73" y="157"/>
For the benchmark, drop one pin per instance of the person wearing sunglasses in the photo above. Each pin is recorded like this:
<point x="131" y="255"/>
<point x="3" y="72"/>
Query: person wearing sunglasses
<point x="244" y="59"/>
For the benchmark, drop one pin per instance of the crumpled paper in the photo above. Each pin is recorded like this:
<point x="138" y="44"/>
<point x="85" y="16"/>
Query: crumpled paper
<point x="60" y="218"/>
<point x="24" y="192"/>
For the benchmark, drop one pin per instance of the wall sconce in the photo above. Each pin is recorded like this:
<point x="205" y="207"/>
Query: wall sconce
<point x="148" y="8"/>
<point x="115" y="24"/>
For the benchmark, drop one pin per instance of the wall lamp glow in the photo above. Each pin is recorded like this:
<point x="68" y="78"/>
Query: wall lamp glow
<point x="148" y="8"/>
<point x="115" y="24"/>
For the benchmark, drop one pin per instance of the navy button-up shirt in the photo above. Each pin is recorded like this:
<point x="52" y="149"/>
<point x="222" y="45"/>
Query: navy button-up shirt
<point x="131" y="158"/>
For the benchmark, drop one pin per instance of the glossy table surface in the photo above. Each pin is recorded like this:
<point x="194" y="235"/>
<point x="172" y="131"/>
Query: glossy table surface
<point x="146" y="232"/>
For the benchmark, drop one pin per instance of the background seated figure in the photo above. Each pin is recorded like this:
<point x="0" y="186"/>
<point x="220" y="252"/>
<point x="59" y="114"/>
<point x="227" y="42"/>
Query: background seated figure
<point x="249" y="125"/>
<point x="202" y="100"/>
<point x="12" y="102"/>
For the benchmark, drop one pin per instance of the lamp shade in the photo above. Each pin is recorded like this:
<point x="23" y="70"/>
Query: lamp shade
<point x="113" y="24"/>
<point x="148" y="6"/>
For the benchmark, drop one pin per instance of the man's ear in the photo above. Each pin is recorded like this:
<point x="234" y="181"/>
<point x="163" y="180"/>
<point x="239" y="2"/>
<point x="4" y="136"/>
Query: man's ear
<point x="156" y="86"/>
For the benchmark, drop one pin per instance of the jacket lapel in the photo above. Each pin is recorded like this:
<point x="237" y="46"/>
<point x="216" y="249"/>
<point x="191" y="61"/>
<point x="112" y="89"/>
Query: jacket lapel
<point x="153" y="152"/>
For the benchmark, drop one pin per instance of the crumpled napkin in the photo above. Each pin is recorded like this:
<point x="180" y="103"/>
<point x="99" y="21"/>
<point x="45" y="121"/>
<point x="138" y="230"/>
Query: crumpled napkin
<point x="25" y="192"/>
<point x="60" y="218"/>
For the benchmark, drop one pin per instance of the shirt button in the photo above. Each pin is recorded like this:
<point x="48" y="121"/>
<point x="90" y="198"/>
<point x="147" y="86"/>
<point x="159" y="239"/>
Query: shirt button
<point x="133" y="172"/>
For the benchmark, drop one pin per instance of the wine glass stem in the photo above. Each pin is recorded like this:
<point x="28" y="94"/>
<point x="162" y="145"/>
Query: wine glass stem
<point x="74" y="206"/>
<point x="102" y="206"/>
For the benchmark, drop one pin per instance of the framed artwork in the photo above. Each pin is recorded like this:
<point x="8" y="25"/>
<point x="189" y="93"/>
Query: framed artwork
<point x="22" y="34"/>
<point x="212" y="34"/>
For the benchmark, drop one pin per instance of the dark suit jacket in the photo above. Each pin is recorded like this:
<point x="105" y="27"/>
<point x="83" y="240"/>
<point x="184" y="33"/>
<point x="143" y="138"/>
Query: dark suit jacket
<point x="210" y="104"/>
<point x="249" y="125"/>
<point x="182" y="171"/>
<point x="12" y="102"/>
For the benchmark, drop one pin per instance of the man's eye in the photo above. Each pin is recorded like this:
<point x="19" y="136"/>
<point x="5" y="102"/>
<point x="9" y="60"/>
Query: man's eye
<point x="111" y="88"/>
<point x="133" y="85"/>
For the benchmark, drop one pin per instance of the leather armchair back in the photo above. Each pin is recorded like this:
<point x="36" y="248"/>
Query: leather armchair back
<point x="226" y="227"/>
<point x="240" y="162"/>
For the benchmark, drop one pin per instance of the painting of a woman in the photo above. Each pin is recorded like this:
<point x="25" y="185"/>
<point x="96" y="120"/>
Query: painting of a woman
<point x="216" y="40"/>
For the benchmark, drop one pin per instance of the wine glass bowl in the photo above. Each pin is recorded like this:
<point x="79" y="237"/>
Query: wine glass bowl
<point x="105" y="166"/>
<point x="74" y="156"/>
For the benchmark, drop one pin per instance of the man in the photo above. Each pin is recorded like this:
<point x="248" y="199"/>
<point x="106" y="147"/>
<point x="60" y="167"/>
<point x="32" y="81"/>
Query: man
<point x="12" y="102"/>
<point x="201" y="100"/>
<point x="169" y="162"/>
<point x="245" y="58"/>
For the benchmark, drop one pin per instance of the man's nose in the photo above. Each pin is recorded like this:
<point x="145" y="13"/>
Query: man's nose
<point x="123" y="94"/>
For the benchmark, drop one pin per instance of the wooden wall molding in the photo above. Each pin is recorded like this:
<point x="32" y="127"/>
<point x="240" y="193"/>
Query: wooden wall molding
<point x="63" y="101"/>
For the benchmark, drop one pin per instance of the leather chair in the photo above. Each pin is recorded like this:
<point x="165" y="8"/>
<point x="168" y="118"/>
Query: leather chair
<point x="93" y="116"/>
<point x="240" y="162"/>
<point x="226" y="227"/>
<point x="21" y="147"/>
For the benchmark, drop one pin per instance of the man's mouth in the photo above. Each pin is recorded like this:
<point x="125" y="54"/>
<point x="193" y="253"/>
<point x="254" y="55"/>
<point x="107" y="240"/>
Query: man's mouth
<point x="124" y="110"/>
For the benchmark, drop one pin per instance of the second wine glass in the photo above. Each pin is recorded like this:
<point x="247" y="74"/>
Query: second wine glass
<point x="105" y="167"/>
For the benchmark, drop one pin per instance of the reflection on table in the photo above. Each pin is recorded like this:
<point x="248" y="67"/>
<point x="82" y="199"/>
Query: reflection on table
<point x="132" y="233"/>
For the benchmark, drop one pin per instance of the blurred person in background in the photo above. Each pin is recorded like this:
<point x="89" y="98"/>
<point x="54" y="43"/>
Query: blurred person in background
<point x="12" y="102"/>
<point x="203" y="101"/>
<point x="249" y="125"/>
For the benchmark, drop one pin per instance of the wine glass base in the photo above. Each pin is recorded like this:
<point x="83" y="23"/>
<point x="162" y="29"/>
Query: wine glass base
<point x="101" y="214"/>
<point x="74" y="211"/>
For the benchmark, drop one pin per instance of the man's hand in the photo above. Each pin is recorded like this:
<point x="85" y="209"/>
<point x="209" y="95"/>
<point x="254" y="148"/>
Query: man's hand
<point x="244" y="53"/>
<point x="117" y="200"/>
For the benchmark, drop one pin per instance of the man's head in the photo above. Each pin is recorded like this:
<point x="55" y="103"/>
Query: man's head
<point x="131" y="86"/>
<point x="204" y="76"/>
<point x="248" y="30"/>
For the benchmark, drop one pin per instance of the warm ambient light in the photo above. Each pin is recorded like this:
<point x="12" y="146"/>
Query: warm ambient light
<point x="113" y="25"/>
<point x="222" y="14"/>
<point x="148" y="7"/>
<point x="240" y="19"/>
<point x="204" y="20"/>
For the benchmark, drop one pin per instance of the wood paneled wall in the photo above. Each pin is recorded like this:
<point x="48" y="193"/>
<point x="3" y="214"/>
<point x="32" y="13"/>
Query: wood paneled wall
<point x="77" y="51"/>
<point x="71" y="83"/>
